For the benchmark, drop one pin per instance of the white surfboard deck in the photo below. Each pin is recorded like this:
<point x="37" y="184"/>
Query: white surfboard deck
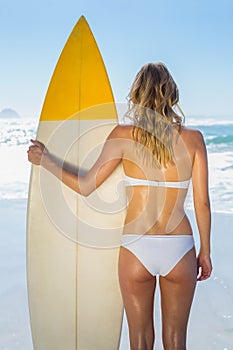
<point x="73" y="241"/>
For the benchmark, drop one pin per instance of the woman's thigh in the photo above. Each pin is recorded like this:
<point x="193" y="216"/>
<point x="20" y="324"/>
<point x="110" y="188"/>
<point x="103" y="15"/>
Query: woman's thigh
<point x="177" y="290"/>
<point x="137" y="287"/>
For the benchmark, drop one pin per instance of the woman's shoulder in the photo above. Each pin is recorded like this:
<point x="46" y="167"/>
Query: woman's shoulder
<point x="121" y="131"/>
<point x="194" y="140"/>
<point x="193" y="135"/>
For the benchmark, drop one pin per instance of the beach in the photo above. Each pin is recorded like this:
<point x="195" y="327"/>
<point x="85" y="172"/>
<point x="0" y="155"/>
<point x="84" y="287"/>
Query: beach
<point x="14" y="319"/>
<point x="211" y="319"/>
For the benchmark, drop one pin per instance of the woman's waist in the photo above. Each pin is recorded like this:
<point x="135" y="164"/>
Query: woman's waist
<point x="162" y="225"/>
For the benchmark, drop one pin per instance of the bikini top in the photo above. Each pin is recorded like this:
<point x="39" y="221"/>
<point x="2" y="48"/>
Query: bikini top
<point x="132" y="181"/>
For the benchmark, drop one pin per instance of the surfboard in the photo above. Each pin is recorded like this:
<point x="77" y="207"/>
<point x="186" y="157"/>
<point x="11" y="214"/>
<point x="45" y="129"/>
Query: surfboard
<point x="73" y="241"/>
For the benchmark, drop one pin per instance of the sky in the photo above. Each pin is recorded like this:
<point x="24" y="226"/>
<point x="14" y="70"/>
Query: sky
<point x="193" y="38"/>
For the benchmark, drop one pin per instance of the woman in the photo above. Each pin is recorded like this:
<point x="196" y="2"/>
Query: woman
<point x="159" y="157"/>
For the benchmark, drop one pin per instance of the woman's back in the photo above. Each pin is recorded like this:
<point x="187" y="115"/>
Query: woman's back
<point x="156" y="195"/>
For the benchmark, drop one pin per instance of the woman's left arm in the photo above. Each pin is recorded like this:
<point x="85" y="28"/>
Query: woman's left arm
<point x="108" y="160"/>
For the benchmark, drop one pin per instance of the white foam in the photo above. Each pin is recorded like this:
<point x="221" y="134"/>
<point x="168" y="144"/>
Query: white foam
<point x="208" y="121"/>
<point x="17" y="131"/>
<point x="15" y="172"/>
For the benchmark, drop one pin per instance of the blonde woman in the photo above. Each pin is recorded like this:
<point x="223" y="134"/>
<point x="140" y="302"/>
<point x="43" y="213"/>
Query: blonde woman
<point x="160" y="156"/>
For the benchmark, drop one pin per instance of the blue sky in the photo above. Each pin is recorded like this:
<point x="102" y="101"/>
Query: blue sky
<point x="193" y="38"/>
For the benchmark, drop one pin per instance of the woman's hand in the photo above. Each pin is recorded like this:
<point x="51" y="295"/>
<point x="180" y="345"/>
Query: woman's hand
<point x="37" y="152"/>
<point x="204" y="267"/>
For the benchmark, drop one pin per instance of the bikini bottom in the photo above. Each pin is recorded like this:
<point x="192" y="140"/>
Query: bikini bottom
<point x="158" y="253"/>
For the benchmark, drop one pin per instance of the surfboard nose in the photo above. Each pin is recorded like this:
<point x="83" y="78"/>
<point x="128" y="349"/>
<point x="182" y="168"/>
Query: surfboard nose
<point x="80" y="80"/>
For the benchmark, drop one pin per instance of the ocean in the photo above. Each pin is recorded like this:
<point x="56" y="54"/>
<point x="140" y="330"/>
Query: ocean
<point x="218" y="134"/>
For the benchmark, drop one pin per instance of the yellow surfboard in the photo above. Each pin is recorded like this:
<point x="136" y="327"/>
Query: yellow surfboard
<point x="73" y="241"/>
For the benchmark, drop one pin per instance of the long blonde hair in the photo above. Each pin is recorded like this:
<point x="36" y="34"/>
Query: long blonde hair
<point x="152" y="99"/>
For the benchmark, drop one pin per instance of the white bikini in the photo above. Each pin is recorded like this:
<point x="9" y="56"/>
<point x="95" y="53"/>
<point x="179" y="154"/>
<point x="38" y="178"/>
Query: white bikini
<point x="158" y="253"/>
<point x="133" y="181"/>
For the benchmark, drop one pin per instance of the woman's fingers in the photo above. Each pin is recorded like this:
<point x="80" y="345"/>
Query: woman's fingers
<point x="204" y="275"/>
<point x="38" y="144"/>
<point x="35" y="152"/>
<point x="204" y="268"/>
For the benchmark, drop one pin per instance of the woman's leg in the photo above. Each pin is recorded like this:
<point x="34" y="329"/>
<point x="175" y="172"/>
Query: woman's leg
<point x="177" y="290"/>
<point x="137" y="287"/>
